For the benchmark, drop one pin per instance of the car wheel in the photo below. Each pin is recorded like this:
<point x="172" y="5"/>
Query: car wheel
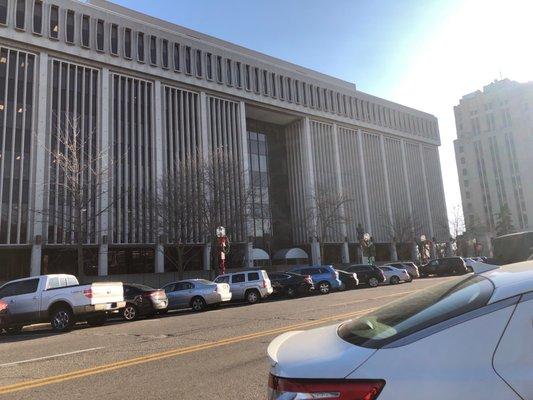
<point x="253" y="296"/>
<point x="97" y="321"/>
<point x="410" y="279"/>
<point x="198" y="304"/>
<point x="373" y="282"/>
<point x="324" y="287"/>
<point x="342" y="287"/>
<point x="14" y="330"/>
<point x="61" y="319"/>
<point x="291" y="292"/>
<point x="394" y="280"/>
<point x="130" y="312"/>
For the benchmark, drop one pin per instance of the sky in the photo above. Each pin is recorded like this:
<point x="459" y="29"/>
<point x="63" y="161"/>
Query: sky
<point x="424" y="54"/>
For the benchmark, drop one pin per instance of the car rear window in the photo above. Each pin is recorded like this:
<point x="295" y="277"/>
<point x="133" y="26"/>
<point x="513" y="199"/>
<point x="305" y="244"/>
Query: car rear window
<point x="418" y="311"/>
<point x="253" y="276"/>
<point x="237" y="278"/>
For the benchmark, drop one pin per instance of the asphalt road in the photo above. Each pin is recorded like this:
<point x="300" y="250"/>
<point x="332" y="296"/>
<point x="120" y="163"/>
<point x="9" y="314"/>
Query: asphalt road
<point x="218" y="354"/>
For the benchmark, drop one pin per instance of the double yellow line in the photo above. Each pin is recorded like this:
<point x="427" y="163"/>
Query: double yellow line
<point x="167" y="354"/>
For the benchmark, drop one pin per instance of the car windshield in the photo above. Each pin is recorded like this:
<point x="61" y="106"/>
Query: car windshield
<point x="418" y="311"/>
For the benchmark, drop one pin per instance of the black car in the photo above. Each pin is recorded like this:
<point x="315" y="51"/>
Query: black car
<point x="444" y="266"/>
<point x="142" y="300"/>
<point x="367" y="274"/>
<point x="290" y="284"/>
<point x="349" y="279"/>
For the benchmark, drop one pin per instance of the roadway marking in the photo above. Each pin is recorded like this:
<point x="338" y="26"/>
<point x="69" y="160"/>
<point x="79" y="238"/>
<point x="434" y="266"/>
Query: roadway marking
<point x="167" y="354"/>
<point x="373" y="298"/>
<point x="50" y="357"/>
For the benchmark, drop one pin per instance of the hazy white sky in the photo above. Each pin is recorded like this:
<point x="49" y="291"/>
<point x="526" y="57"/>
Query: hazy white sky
<point x="425" y="54"/>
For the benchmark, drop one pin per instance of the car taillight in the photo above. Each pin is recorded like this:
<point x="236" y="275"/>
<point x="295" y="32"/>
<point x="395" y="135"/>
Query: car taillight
<point x="334" y="389"/>
<point x="88" y="293"/>
<point x="3" y="306"/>
<point x="156" y="294"/>
<point x="264" y="285"/>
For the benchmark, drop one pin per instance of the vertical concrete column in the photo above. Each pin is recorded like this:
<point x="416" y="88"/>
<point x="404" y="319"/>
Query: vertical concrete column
<point x="245" y="162"/>
<point x="393" y="252"/>
<point x="105" y="165"/>
<point x="310" y="190"/>
<point x="40" y="167"/>
<point x="363" y="176"/>
<point x="158" y="132"/>
<point x="345" y="253"/>
<point x="426" y="191"/>
<point x="406" y="183"/>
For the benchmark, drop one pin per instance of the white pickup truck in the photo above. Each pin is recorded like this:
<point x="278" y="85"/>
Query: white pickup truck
<point x="58" y="299"/>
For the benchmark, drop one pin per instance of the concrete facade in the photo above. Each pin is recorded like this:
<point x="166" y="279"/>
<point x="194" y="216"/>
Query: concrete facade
<point x="150" y="94"/>
<point x="493" y="152"/>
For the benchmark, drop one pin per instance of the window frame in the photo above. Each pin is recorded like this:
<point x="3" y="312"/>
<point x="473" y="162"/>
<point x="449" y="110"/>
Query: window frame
<point x="70" y="13"/>
<point x="23" y="28"/>
<point x="140" y="35"/>
<point x="54" y="8"/>
<point x="176" y="50"/>
<point x="153" y="48"/>
<point x="6" y="22"/>
<point x="40" y="33"/>
<point x="113" y="27"/>
<point x="208" y="66"/>
<point x="99" y="22"/>
<point x="82" y="20"/>
<point x="164" y="46"/>
<point x="124" y="47"/>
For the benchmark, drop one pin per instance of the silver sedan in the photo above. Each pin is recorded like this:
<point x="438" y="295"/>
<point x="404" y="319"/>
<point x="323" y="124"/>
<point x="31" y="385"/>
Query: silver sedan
<point x="196" y="294"/>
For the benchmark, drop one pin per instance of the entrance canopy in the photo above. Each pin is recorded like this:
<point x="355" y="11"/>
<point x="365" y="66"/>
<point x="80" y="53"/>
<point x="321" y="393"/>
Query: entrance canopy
<point x="294" y="253"/>
<point x="259" y="254"/>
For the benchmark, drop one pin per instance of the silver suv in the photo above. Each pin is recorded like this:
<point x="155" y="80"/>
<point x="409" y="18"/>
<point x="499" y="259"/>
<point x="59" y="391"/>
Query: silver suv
<point x="251" y="286"/>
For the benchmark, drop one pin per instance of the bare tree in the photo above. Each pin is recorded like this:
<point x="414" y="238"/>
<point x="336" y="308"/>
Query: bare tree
<point x="326" y="214"/>
<point x="78" y="181"/>
<point x="195" y="196"/>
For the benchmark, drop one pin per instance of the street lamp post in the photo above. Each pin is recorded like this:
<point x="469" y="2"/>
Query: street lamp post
<point x="223" y="248"/>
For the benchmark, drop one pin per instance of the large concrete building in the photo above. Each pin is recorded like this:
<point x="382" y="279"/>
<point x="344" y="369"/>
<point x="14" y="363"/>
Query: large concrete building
<point x="493" y="152"/>
<point x="148" y="95"/>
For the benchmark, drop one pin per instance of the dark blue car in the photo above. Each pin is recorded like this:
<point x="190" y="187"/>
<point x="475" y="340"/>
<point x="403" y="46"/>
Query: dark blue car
<point x="325" y="278"/>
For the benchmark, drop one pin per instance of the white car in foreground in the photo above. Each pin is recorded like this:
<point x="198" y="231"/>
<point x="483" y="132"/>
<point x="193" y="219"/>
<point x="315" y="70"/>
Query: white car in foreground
<point x="395" y="275"/>
<point x="467" y="338"/>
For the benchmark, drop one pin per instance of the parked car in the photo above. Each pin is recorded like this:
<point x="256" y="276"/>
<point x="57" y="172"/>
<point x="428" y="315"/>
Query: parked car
<point x="291" y="284"/>
<point x="196" y="294"/>
<point x="142" y="300"/>
<point x="476" y="322"/>
<point x="252" y="286"/>
<point x="367" y="274"/>
<point x="410" y="266"/>
<point x="60" y="300"/>
<point x="444" y="266"/>
<point x="393" y="275"/>
<point x="325" y="278"/>
<point x="348" y="280"/>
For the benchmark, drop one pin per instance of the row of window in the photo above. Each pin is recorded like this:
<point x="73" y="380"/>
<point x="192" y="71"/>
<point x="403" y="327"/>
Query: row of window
<point x="102" y="36"/>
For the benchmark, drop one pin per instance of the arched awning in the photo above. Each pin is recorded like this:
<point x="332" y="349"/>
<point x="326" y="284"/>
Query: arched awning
<point x="294" y="253"/>
<point x="259" y="254"/>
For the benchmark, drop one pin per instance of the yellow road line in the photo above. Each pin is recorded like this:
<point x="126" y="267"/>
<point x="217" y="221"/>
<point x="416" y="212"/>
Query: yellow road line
<point x="167" y="354"/>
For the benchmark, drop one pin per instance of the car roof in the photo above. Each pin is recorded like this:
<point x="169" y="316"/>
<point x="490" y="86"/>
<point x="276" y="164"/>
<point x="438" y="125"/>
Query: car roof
<point x="511" y="280"/>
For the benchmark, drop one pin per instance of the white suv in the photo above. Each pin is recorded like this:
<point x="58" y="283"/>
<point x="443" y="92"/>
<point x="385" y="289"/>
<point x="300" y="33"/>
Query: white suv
<point x="251" y="286"/>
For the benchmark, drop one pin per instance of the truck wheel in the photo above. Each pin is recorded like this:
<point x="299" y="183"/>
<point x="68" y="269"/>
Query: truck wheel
<point x="61" y="319"/>
<point x="99" y="320"/>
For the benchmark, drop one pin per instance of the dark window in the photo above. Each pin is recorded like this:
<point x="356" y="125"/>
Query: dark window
<point x="70" y="26"/>
<point x="219" y="69"/>
<point x="247" y="81"/>
<point x="273" y="84"/>
<point x="418" y="311"/>
<point x="253" y="276"/>
<point x="289" y="88"/>
<point x="229" y="73"/>
<point x="54" y="22"/>
<point x="140" y="47"/>
<point x="238" y="72"/>
<point x="304" y="93"/>
<point x="222" y="279"/>
<point x="20" y="15"/>
<point x="86" y="31"/>
<point x="164" y="53"/>
<point x="127" y="43"/>
<point x="198" y="62"/>
<point x="184" y="286"/>
<point x="114" y="39"/>
<point x="209" y="65"/>
<point x="256" y="80"/>
<point x="37" y="16"/>
<point x="19" y="288"/>
<point x="177" y="65"/>
<point x="297" y="91"/>
<point x="100" y="33"/>
<point x="188" y="62"/>
<point x="265" y="82"/>
<point x="3" y="12"/>
<point x="237" y="278"/>
<point x="153" y="50"/>
<point x="281" y="87"/>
